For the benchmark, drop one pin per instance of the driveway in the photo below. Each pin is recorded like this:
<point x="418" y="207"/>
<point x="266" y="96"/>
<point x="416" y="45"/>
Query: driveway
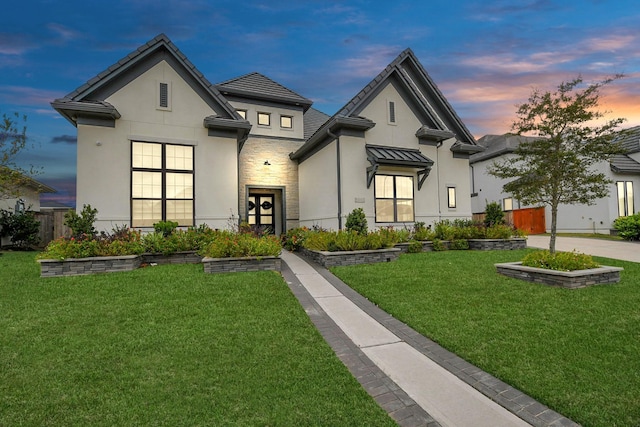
<point x="615" y="249"/>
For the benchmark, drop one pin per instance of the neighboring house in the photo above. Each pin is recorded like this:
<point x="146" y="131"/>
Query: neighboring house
<point x="158" y="141"/>
<point x="623" y="170"/>
<point x="25" y="197"/>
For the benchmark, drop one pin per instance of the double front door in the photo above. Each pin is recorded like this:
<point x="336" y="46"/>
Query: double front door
<point x="260" y="211"/>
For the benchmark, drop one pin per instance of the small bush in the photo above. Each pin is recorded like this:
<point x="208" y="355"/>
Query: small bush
<point x="420" y="232"/>
<point x="293" y="239"/>
<point x="357" y="221"/>
<point x="81" y="225"/>
<point x="318" y="240"/>
<point x="243" y="245"/>
<point x="415" y="247"/>
<point x="22" y="228"/>
<point x="351" y="240"/>
<point x="499" y="232"/>
<point x="166" y="228"/>
<point x="628" y="227"/>
<point x="560" y="261"/>
<point x="493" y="214"/>
<point x="438" y="245"/>
<point x="459" y="244"/>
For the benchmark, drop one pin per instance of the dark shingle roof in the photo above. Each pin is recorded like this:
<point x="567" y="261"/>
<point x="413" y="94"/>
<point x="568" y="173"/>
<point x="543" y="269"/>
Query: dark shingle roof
<point x="256" y="85"/>
<point x="313" y="119"/>
<point x="497" y="145"/>
<point x="631" y="139"/>
<point x="624" y="164"/>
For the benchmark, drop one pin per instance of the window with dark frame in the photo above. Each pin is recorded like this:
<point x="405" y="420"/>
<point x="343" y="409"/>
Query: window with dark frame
<point x="394" y="198"/>
<point x="264" y="119"/>
<point x="242" y="113"/>
<point x="162" y="183"/>
<point x="286" y="122"/>
<point x="451" y="197"/>
<point x="625" y="198"/>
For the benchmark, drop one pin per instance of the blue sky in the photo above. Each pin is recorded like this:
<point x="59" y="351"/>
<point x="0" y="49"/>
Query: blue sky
<point x="485" y="56"/>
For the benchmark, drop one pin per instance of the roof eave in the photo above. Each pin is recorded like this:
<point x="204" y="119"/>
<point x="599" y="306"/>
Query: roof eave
<point x="71" y="110"/>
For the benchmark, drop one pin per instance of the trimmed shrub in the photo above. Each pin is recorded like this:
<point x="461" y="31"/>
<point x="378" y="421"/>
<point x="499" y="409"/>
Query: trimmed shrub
<point x="357" y="221"/>
<point x="414" y="247"/>
<point x="242" y="245"/>
<point x="459" y="244"/>
<point x="22" y="228"/>
<point x="438" y="245"/>
<point x="628" y="227"/>
<point x="560" y="261"/>
<point x="166" y="228"/>
<point x="493" y="214"/>
<point x="81" y="225"/>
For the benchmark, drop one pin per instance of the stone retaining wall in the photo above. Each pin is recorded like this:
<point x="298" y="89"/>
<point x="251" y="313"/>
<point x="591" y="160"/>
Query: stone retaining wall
<point x="427" y="246"/>
<point x="566" y="279"/>
<point x="187" y="257"/>
<point x="93" y="265"/>
<point x="339" y="258"/>
<point x="497" y="244"/>
<point x="236" y="265"/>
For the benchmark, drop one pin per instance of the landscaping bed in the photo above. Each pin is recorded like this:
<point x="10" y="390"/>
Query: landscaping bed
<point x="332" y="259"/>
<point x="565" y="279"/>
<point x="241" y="264"/>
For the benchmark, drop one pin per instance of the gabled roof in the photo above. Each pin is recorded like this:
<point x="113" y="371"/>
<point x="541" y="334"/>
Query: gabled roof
<point x="89" y="98"/>
<point x="25" y="180"/>
<point x="623" y="164"/>
<point x="407" y="71"/>
<point x="630" y="139"/>
<point x="258" y="86"/>
<point x="438" y="117"/>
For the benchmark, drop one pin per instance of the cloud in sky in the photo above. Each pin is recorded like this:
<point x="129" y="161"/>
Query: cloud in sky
<point x="64" y="139"/>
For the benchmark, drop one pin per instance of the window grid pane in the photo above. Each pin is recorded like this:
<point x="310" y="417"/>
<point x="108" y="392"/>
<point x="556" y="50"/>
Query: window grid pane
<point x="146" y="185"/>
<point x="180" y="211"/>
<point x="621" y="198"/>
<point x="286" y="122"/>
<point x="394" y="198"/>
<point x="404" y="187"/>
<point x="179" y="157"/>
<point x="384" y="186"/>
<point x="179" y="186"/>
<point x="147" y="155"/>
<point x="145" y="213"/>
<point x="630" y="205"/>
<point x="264" y="119"/>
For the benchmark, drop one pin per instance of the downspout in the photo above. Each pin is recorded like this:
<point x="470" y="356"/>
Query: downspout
<point x="473" y="180"/>
<point x="438" y="145"/>
<point x="334" y="136"/>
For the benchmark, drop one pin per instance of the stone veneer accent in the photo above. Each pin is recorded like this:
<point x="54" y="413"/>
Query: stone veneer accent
<point x="236" y="265"/>
<point x="282" y="172"/>
<point x="498" y="244"/>
<point x="427" y="246"/>
<point x="186" y="257"/>
<point x="93" y="265"/>
<point x="566" y="279"/>
<point x="339" y="258"/>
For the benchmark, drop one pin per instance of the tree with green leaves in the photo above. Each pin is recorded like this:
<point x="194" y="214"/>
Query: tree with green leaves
<point x="559" y="167"/>
<point x="13" y="140"/>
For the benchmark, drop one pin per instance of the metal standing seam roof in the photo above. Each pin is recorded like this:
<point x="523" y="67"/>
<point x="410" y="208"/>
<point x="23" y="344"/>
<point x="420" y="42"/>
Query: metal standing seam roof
<point x="397" y="156"/>
<point x="624" y="164"/>
<point x="256" y="85"/>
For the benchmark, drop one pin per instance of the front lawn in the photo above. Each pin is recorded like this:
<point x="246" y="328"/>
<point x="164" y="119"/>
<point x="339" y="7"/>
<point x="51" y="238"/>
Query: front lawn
<point x="577" y="351"/>
<point x="166" y="345"/>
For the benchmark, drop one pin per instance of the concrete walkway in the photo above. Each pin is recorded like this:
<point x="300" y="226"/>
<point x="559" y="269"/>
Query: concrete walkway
<point x="418" y="382"/>
<point x="615" y="249"/>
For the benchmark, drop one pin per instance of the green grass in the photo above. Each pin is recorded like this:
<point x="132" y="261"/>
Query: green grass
<point x="577" y="351"/>
<point x="166" y="345"/>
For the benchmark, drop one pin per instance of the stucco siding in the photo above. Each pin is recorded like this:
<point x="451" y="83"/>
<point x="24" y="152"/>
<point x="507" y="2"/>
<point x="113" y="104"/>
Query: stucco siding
<point x="318" y="189"/>
<point x="104" y="153"/>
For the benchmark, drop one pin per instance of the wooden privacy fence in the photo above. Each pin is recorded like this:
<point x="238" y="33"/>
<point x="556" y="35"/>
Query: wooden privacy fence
<point x="52" y="225"/>
<point x="531" y="220"/>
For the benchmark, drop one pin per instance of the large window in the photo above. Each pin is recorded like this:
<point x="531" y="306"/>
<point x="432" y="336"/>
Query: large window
<point x="394" y="198"/>
<point x="161" y="184"/>
<point x="625" y="198"/>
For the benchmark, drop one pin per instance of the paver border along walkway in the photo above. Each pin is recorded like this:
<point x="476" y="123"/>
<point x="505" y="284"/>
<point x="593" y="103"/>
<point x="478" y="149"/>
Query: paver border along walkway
<point x="396" y="401"/>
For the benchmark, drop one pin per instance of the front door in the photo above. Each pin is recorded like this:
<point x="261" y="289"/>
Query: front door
<point x="260" y="211"/>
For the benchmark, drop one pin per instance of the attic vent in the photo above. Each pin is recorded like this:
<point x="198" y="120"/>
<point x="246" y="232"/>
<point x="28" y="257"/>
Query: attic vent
<point x="164" y="95"/>
<point x="392" y="112"/>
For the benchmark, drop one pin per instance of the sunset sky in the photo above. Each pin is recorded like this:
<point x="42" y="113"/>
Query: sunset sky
<point x="485" y="56"/>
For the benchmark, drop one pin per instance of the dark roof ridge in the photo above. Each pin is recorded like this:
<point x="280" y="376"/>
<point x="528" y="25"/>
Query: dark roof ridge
<point x="248" y="85"/>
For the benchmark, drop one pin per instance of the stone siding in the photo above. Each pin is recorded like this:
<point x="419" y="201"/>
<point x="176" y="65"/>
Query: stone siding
<point x="566" y="279"/>
<point x="237" y="265"/>
<point x="282" y="172"/>
<point x="497" y="244"/>
<point x="340" y="258"/>
<point x="82" y="266"/>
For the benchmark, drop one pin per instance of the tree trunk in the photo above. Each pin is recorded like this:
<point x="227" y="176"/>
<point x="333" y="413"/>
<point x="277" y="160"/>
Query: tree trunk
<point x="554" y="223"/>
